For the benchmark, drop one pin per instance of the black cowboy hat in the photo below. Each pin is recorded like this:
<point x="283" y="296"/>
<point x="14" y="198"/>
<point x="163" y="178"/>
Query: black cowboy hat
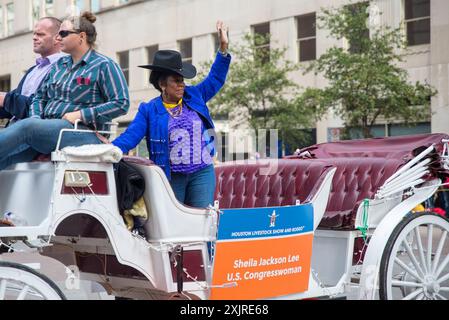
<point x="171" y="61"/>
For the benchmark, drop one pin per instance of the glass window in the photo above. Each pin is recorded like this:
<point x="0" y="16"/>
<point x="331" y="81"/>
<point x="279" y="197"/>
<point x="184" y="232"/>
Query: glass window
<point x="185" y="47"/>
<point x="35" y="11"/>
<point x="10" y="19"/>
<point x="417" y="20"/>
<point x="403" y="129"/>
<point x="49" y="8"/>
<point x="417" y="9"/>
<point x="262" y="29"/>
<point x="80" y="6"/>
<point x="307" y="37"/>
<point x="95" y="5"/>
<point x="5" y="86"/>
<point x="151" y="51"/>
<point x="262" y="32"/>
<point x="5" y="83"/>
<point x="123" y="58"/>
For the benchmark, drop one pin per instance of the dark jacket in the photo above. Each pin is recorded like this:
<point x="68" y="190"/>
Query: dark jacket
<point x="15" y="104"/>
<point x="130" y="185"/>
<point x="152" y="118"/>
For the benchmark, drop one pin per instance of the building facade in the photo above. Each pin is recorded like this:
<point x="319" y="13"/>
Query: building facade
<point x="130" y="31"/>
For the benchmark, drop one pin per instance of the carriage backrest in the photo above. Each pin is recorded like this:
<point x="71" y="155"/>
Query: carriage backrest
<point x="252" y="184"/>
<point x="241" y="185"/>
<point x="356" y="179"/>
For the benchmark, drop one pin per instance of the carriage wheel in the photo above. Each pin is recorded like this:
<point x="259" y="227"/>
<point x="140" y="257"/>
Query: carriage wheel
<point x="19" y="282"/>
<point x="415" y="262"/>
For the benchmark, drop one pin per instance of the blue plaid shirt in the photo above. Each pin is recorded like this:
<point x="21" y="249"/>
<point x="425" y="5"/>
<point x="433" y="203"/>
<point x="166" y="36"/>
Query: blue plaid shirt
<point x="95" y="86"/>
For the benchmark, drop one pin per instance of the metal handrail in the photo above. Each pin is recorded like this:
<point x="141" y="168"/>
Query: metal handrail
<point x="75" y="129"/>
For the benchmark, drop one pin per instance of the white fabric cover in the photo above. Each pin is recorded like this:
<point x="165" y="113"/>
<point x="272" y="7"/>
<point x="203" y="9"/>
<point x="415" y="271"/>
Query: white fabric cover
<point x="93" y="153"/>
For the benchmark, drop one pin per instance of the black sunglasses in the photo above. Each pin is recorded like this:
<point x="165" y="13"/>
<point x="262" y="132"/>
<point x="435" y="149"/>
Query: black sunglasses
<point x="65" y="33"/>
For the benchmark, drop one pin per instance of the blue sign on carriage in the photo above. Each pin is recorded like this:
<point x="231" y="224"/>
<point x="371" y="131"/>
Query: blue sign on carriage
<point x="265" y="222"/>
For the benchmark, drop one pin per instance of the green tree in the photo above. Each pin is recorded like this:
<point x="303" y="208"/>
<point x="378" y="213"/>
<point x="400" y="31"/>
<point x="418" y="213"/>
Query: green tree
<point x="259" y="93"/>
<point x="366" y="81"/>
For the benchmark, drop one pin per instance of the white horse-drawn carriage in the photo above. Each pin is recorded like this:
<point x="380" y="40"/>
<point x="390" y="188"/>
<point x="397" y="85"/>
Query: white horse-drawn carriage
<point x="349" y="230"/>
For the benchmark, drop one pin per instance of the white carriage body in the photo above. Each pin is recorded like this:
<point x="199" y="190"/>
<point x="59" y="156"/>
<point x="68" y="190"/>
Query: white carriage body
<point x="59" y="227"/>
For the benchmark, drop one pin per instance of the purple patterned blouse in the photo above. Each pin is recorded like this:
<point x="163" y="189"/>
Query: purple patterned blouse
<point x="188" y="151"/>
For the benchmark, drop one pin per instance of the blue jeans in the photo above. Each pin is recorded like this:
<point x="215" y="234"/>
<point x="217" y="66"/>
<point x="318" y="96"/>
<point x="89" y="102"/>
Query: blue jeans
<point x="195" y="189"/>
<point x="25" y="139"/>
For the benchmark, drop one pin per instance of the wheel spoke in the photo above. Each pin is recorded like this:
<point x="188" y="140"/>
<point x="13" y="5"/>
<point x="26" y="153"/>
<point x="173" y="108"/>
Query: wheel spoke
<point x="443" y="278"/>
<point x="413" y="258"/>
<point x="23" y="293"/>
<point x="444" y="289"/>
<point x="442" y="266"/>
<point x="421" y="297"/>
<point x="429" y="246"/>
<point x="3" y="283"/>
<point x="413" y="294"/>
<point x="420" y="248"/>
<point x="440" y="296"/>
<point x="406" y="268"/>
<point x="436" y="260"/>
<point x="398" y="283"/>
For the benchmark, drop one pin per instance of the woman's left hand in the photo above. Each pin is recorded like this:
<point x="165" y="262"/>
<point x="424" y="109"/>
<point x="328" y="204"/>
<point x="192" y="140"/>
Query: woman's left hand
<point x="72" y="116"/>
<point x="223" y="36"/>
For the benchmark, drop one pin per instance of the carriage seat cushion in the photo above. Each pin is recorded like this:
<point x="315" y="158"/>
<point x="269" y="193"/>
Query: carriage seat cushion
<point x="254" y="184"/>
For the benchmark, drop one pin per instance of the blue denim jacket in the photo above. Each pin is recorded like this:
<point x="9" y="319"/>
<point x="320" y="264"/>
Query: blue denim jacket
<point x="152" y="118"/>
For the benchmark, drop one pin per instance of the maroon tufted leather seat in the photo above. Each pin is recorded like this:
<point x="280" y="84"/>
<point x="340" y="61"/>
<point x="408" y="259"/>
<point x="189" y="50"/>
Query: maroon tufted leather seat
<point x="355" y="180"/>
<point x="244" y="185"/>
<point x="241" y="185"/>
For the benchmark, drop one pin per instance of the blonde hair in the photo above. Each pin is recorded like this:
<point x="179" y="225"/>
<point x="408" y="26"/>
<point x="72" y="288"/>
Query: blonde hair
<point x="85" y="23"/>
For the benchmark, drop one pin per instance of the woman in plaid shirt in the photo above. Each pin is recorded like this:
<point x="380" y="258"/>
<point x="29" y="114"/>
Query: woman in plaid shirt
<point x="84" y="85"/>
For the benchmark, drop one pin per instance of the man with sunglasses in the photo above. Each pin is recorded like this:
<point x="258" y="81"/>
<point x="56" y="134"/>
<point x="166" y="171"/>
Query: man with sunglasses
<point x="15" y="104"/>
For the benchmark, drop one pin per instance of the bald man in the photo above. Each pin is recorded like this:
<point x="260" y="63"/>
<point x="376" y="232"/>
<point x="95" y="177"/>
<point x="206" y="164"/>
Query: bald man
<point x="16" y="103"/>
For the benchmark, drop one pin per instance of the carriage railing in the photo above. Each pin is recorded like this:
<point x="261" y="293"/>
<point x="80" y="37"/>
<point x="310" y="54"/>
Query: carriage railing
<point x="445" y="154"/>
<point x="409" y="176"/>
<point x="76" y="129"/>
<point x="413" y="173"/>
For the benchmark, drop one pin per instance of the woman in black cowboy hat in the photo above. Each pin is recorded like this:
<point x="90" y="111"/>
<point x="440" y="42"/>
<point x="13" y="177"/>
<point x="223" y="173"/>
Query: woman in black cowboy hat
<point x="177" y="124"/>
